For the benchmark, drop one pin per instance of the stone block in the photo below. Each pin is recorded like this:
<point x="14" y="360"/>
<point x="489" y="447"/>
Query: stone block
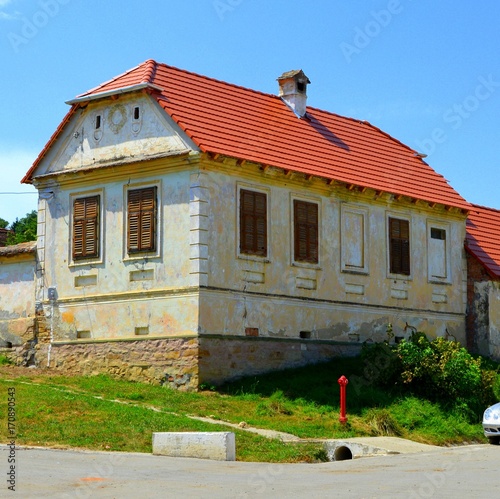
<point x="219" y="446"/>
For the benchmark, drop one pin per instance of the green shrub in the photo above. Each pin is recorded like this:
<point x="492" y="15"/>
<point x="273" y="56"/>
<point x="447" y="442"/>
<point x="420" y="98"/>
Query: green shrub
<point x="439" y="370"/>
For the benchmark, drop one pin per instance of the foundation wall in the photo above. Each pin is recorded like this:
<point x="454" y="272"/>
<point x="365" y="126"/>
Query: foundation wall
<point x="222" y="358"/>
<point x="171" y="362"/>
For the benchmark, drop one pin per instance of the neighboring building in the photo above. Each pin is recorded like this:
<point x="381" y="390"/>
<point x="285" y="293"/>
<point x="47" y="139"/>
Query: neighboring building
<point x="191" y="230"/>
<point x="483" y="284"/>
<point x="17" y="297"/>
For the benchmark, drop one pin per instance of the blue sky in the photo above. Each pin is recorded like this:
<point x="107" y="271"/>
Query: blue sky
<point x="425" y="72"/>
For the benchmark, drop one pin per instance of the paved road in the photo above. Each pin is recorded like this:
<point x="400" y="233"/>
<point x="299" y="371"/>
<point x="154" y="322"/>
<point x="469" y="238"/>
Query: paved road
<point x="468" y="472"/>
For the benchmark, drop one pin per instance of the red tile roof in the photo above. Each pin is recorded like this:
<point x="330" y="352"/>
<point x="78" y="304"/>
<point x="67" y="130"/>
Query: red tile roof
<point x="483" y="237"/>
<point x="226" y="119"/>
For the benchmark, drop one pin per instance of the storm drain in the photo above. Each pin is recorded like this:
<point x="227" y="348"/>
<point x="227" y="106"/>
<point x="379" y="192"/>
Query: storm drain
<point x="342" y="453"/>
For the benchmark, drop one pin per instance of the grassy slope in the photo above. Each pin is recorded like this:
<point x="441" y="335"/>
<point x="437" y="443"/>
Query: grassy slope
<point x="66" y="411"/>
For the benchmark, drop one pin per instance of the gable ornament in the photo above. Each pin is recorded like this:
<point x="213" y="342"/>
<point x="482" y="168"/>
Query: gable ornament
<point x="117" y="117"/>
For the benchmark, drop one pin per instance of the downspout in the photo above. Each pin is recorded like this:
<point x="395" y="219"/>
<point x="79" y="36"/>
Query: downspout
<point x="52" y="298"/>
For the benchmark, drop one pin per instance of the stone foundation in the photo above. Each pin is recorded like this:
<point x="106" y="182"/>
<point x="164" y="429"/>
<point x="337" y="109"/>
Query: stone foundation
<point x="182" y="363"/>
<point x="226" y="358"/>
<point x="167" y="361"/>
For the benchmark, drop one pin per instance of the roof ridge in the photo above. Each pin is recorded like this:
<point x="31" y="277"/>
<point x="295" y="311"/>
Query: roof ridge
<point x="149" y="70"/>
<point x="482" y="207"/>
<point x="227" y="83"/>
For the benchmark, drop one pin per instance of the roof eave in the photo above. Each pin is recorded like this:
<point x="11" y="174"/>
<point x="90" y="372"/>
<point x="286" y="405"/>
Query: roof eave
<point x="110" y="93"/>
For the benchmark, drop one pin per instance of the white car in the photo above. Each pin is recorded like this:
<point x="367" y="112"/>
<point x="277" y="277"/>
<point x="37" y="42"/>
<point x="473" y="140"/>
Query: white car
<point x="491" y="423"/>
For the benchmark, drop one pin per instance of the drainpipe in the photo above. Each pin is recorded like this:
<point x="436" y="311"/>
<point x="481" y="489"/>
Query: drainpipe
<point x="52" y="299"/>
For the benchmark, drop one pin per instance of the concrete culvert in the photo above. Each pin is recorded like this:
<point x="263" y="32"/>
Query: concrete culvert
<point x="342" y="453"/>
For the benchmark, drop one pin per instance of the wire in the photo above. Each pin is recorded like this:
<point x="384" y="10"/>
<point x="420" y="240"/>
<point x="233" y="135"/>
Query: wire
<point x="16" y="193"/>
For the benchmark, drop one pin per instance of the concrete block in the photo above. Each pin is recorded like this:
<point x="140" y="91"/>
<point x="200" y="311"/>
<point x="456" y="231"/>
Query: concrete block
<point x="219" y="446"/>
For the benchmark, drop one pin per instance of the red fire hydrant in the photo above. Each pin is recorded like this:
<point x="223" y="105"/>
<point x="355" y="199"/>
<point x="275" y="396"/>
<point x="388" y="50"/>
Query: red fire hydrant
<point x="343" y="383"/>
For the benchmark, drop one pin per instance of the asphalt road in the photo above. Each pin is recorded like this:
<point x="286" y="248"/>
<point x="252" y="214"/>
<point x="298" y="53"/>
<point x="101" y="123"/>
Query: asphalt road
<point x="469" y="472"/>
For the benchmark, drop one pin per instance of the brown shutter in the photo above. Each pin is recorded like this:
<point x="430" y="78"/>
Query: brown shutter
<point x="141" y="226"/>
<point x="86" y="227"/>
<point x="399" y="231"/>
<point x="305" y="217"/>
<point x="253" y="222"/>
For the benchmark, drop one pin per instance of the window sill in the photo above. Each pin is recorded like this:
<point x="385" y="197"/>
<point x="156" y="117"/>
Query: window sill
<point x="307" y="265"/>
<point x="253" y="258"/>
<point x="400" y="277"/>
<point x="356" y="271"/>
<point x="436" y="280"/>
<point x="86" y="263"/>
<point x="141" y="256"/>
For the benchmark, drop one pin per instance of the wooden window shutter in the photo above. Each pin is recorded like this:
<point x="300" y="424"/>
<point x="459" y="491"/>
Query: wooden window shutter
<point x="399" y="235"/>
<point x="305" y="216"/>
<point x="253" y="223"/>
<point x="141" y="220"/>
<point x="86" y="227"/>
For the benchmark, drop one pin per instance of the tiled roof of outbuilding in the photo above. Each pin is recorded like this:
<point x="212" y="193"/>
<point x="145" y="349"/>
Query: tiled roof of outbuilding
<point x="226" y="119"/>
<point x="18" y="249"/>
<point x="483" y="237"/>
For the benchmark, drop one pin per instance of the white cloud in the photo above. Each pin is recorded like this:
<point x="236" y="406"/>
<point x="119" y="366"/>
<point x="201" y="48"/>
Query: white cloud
<point x="13" y="167"/>
<point x="6" y="16"/>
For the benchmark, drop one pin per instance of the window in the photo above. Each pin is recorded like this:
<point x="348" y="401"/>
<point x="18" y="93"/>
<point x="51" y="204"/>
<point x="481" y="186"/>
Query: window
<point x="86" y="227"/>
<point x="399" y="241"/>
<point x="438" y="234"/>
<point x="253" y="223"/>
<point x="305" y="224"/>
<point x="354" y="239"/>
<point x="437" y="253"/>
<point x="141" y="220"/>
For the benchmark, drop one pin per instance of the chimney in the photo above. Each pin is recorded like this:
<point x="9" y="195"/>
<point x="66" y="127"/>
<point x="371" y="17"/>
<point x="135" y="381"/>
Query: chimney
<point x="293" y="90"/>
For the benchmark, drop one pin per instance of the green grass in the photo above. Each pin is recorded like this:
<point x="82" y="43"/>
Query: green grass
<point x="83" y="412"/>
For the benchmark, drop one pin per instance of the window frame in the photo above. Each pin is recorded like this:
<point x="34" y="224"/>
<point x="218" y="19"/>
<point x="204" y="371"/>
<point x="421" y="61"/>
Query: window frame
<point x="396" y="273"/>
<point x="97" y="255"/>
<point x="255" y="250"/>
<point x="151" y="251"/>
<point x="446" y="228"/>
<point x="346" y="209"/>
<point x="259" y="190"/>
<point x="307" y="261"/>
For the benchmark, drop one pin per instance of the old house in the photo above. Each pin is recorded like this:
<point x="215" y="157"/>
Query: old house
<point x="191" y="230"/>
<point x="483" y="281"/>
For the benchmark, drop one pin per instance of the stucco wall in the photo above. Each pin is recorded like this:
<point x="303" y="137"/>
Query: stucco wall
<point x="483" y="310"/>
<point x="17" y="295"/>
<point x="494" y="318"/>
<point x="120" y="295"/>
<point x="282" y="297"/>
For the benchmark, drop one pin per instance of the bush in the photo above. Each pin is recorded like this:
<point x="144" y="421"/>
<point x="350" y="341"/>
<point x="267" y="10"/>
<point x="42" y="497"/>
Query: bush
<point x="439" y="370"/>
